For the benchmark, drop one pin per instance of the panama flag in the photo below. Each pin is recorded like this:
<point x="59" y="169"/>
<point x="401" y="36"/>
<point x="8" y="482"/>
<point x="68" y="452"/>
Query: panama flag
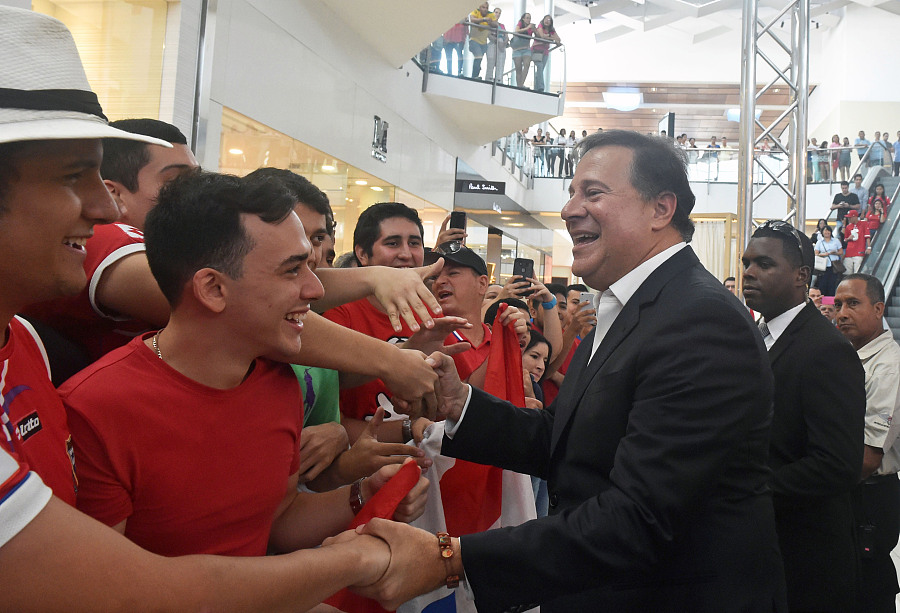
<point x="465" y="497"/>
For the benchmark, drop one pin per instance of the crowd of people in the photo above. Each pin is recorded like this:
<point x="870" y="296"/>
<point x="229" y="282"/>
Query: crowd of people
<point x="188" y="385"/>
<point x="489" y="41"/>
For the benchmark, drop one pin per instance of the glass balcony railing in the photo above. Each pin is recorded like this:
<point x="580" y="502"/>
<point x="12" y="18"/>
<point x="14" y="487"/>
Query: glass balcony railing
<point x="492" y="54"/>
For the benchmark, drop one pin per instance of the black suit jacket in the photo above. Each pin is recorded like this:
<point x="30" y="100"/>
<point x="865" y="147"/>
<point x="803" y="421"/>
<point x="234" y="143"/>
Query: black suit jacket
<point x="655" y="455"/>
<point x="816" y="458"/>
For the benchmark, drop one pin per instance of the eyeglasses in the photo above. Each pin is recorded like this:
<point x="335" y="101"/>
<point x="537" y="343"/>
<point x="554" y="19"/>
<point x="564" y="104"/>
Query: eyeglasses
<point x="783" y="227"/>
<point x="448" y="248"/>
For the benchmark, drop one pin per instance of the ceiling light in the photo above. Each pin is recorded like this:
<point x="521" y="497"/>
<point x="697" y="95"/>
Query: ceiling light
<point x="236" y="151"/>
<point x="506" y="218"/>
<point x="327" y="168"/>
<point x="376" y="188"/>
<point x="517" y="225"/>
<point x="623" y="98"/>
<point x="361" y="182"/>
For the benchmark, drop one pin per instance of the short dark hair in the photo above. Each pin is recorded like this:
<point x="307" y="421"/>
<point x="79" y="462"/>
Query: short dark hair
<point x="197" y="224"/>
<point x="857" y="175"/>
<point x="298" y="186"/>
<point x="727" y="279"/>
<point x="491" y="311"/>
<point x="843" y="183"/>
<point x="798" y="255"/>
<point x="557" y="288"/>
<point x="874" y="287"/>
<point x="124" y="159"/>
<point x="576" y="287"/>
<point x="368" y="226"/>
<point x="657" y="166"/>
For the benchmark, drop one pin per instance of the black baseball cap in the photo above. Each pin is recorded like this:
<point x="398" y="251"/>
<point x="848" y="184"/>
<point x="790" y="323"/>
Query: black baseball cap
<point x="455" y="252"/>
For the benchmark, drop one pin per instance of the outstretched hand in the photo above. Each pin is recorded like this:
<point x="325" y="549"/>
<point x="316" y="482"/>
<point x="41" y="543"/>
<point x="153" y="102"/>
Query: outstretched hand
<point x="368" y="454"/>
<point x="432" y="339"/>
<point x="402" y="293"/>
<point x="451" y="393"/>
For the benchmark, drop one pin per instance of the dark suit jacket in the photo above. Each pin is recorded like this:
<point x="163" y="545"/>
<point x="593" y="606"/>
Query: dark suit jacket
<point x="655" y="455"/>
<point x="816" y="457"/>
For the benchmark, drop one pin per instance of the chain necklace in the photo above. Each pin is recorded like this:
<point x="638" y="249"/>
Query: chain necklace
<point x="156" y="344"/>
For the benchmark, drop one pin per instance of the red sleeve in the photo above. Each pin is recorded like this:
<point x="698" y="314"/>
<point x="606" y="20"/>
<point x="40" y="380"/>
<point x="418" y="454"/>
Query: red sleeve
<point x="102" y="493"/>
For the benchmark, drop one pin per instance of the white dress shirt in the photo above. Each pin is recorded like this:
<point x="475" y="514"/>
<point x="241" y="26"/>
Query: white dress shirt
<point x="780" y="323"/>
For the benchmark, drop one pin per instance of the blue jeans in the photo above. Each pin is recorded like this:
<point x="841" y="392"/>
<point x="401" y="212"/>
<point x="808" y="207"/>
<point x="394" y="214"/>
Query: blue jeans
<point x="539" y="71"/>
<point x="541" y="496"/>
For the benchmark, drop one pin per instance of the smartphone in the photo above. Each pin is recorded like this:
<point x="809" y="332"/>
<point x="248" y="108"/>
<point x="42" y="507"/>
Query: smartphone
<point x="458" y="219"/>
<point x="586" y="300"/>
<point x="523" y="267"/>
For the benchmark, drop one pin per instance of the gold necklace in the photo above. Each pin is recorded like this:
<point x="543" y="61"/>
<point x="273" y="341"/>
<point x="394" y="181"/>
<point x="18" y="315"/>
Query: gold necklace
<point x="155" y="344"/>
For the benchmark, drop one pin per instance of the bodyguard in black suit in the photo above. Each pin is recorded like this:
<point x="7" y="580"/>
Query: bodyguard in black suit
<point x="817" y="432"/>
<point x="655" y="449"/>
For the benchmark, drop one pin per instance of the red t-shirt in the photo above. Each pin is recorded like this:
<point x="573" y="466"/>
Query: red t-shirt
<point x="551" y="389"/>
<point x="362" y="401"/>
<point x="873" y="220"/>
<point x="856" y="247"/>
<point x="468" y="361"/>
<point x="79" y="318"/>
<point x="36" y="417"/>
<point x="193" y="469"/>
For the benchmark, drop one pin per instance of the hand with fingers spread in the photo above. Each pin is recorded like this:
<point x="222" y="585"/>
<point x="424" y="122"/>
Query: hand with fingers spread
<point x="432" y="339"/>
<point x="447" y="235"/>
<point x="403" y="294"/>
<point x="319" y="446"/>
<point x="368" y="454"/>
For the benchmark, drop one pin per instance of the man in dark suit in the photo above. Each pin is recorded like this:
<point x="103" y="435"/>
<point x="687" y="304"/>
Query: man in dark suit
<point x="817" y="431"/>
<point x="655" y="449"/>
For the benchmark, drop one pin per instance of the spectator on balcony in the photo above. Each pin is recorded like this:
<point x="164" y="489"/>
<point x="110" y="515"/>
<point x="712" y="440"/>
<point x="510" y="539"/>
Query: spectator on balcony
<point x="454" y="39"/>
<point x="571" y="142"/>
<point x="498" y="41"/>
<point x="540" y="153"/>
<point x="824" y="162"/>
<point x="878" y="149"/>
<point x="862" y="144"/>
<point x="712" y="158"/>
<point x="888" y="147"/>
<point x="558" y="152"/>
<point x="835" y="157"/>
<point x="844" y="159"/>
<point x="544" y="35"/>
<point x="725" y="155"/>
<point x="521" y="46"/>
<point x="480" y="20"/>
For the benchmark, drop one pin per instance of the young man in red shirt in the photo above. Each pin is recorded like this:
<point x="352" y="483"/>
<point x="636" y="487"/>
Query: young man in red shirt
<point x="857" y="235"/>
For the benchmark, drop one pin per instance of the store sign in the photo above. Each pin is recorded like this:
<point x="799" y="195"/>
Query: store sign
<point x="379" y="140"/>
<point x="495" y="188"/>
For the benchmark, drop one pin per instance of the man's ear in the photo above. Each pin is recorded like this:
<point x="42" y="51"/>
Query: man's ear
<point x="361" y="255"/>
<point x="116" y="190"/>
<point x="804" y="274"/>
<point x="210" y="289"/>
<point x="879" y="309"/>
<point x="663" y="209"/>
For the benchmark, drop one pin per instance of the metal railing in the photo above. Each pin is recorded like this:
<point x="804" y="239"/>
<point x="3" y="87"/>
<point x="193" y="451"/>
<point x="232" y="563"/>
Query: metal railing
<point x="490" y="53"/>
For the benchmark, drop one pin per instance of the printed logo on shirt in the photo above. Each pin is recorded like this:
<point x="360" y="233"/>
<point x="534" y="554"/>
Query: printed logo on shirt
<point x="28" y="426"/>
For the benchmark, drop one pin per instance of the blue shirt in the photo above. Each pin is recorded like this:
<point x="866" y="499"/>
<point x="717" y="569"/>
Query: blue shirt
<point x="897" y="151"/>
<point x="863" y="145"/>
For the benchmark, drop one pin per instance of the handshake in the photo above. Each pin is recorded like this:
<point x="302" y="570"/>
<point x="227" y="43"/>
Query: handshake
<point x="397" y="562"/>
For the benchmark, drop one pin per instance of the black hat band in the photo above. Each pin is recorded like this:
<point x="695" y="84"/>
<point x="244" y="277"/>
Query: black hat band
<point x="76" y="100"/>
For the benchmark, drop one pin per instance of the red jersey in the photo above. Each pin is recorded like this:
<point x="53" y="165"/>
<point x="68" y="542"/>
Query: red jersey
<point x="873" y="221"/>
<point x="551" y="389"/>
<point x="32" y="415"/>
<point x="362" y="401"/>
<point x="79" y="318"/>
<point x="468" y="362"/>
<point x="191" y="468"/>
<point x="856" y="247"/>
<point x="22" y="496"/>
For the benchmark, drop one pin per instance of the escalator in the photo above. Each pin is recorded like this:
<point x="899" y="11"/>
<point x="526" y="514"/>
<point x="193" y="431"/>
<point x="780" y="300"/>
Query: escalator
<point x="884" y="261"/>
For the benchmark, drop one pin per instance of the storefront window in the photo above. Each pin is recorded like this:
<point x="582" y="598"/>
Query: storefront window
<point x="122" y="45"/>
<point x="248" y="144"/>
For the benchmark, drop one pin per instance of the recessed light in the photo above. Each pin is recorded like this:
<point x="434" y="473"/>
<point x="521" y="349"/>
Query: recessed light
<point x="327" y="168"/>
<point x="376" y="188"/>
<point x="517" y="225"/>
<point x="361" y="182"/>
<point x="236" y="151"/>
<point x="506" y="218"/>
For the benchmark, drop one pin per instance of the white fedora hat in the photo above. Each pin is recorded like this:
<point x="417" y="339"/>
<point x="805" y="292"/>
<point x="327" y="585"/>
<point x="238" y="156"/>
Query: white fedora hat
<point x="44" y="93"/>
